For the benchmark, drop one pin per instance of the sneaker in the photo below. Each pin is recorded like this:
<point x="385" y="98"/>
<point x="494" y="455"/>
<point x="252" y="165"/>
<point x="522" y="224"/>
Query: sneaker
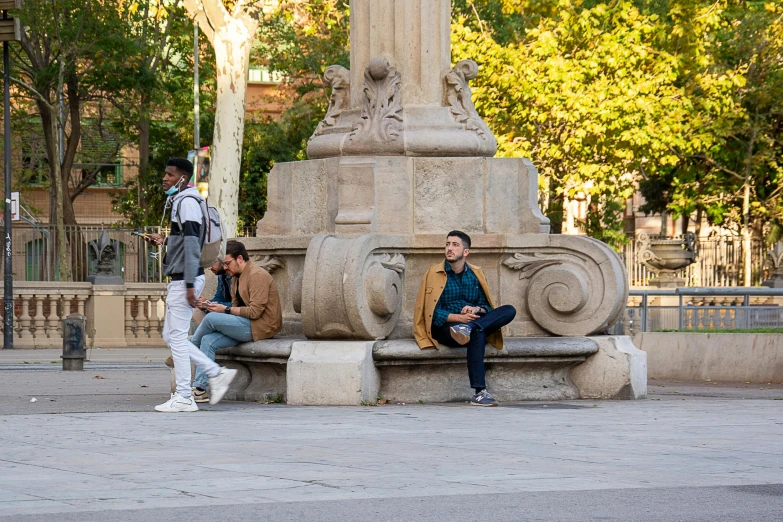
<point x="461" y="333"/>
<point x="200" y="395"/>
<point x="483" y="398"/>
<point x="218" y="386"/>
<point x="177" y="404"/>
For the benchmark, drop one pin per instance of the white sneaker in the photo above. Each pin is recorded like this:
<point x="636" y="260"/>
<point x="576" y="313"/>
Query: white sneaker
<point x="177" y="404"/>
<point x="218" y="386"/>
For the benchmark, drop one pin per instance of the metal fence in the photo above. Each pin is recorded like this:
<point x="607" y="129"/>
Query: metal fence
<point x="701" y="309"/>
<point x="34" y="257"/>
<point x="718" y="263"/>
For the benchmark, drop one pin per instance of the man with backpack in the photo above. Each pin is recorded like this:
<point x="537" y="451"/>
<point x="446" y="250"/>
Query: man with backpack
<point x="191" y="228"/>
<point x="253" y="314"/>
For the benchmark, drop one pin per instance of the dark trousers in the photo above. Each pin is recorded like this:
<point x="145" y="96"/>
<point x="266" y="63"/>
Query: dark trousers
<point x="482" y="327"/>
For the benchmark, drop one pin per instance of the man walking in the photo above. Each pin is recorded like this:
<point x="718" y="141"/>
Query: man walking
<point x="454" y="307"/>
<point x="182" y="263"/>
<point x="253" y="314"/>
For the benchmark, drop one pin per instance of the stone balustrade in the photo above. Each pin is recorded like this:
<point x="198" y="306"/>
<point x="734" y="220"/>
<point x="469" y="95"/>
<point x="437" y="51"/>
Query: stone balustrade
<point x="117" y="315"/>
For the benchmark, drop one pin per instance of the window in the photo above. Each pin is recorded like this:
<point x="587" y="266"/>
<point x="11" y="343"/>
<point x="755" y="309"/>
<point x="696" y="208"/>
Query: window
<point x="258" y="74"/>
<point x="35" y="255"/>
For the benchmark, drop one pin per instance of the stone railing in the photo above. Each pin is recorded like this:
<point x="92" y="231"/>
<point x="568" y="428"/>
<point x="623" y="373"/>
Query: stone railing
<point x="117" y="315"/>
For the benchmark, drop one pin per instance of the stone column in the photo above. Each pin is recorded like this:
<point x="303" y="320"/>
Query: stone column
<point x="401" y="97"/>
<point x="413" y="35"/>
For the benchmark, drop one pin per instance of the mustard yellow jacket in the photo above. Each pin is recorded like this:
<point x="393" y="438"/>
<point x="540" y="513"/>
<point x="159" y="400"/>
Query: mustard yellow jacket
<point x="430" y="291"/>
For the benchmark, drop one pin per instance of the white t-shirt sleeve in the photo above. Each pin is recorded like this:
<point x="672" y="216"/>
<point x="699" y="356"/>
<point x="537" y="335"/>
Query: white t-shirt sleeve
<point x="189" y="210"/>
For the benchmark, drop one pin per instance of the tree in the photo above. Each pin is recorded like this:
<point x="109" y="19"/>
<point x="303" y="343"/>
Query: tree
<point x="580" y="93"/>
<point x="230" y="26"/>
<point x="729" y="141"/>
<point x="56" y="68"/>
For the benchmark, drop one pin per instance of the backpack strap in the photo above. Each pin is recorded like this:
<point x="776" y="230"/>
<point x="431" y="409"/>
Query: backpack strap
<point x="204" y="219"/>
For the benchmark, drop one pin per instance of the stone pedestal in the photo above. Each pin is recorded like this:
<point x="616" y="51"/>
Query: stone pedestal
<point x="331" y="373"/>
<point x="107" y="310"/>
<point x="400" y="159"/>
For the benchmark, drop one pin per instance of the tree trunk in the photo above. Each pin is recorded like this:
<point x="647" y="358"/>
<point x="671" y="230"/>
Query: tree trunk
<point x="747" y="253"/>
<point x="686" y="219"/>
<point x="232" y="56"/>
<point x="144" y="151"/>
<point x="699" y="217"/>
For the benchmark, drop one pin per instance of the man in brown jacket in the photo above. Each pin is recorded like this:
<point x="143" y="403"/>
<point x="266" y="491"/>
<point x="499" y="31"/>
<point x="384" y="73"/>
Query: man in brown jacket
<point x="454" y="307"/>
<point x="254" y="313"/>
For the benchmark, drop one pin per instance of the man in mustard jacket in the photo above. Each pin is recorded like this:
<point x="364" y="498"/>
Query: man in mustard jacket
<point x="253" y="314"/>
<point x="454" y="307"/>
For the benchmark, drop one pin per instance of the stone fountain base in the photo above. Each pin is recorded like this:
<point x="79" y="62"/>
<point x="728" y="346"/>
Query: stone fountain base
<point x="350" y="373"/>
<point x="347" y="241"/>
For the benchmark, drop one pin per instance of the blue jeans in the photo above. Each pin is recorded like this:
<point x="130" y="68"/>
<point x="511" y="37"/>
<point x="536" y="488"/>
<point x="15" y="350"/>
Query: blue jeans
<point x="483" y="326"/>
<point x="219" y="331"/>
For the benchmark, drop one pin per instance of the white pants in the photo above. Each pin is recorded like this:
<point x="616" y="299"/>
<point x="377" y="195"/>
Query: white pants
<point x="175" y="334"/>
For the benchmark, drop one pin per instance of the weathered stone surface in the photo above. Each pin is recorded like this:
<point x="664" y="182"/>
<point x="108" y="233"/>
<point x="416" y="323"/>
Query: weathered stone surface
<point x="741" y="357"/>
<point x="352" y="287"/>
<point x="261" y="368"/>
<point x="336" y="373"/>
<point x="617" y="371"/>
<point x="534" y="368"/>
<point x="448" y="195"/>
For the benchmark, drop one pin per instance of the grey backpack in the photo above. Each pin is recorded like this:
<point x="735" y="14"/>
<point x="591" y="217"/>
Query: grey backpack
<point x="211" y="232"/>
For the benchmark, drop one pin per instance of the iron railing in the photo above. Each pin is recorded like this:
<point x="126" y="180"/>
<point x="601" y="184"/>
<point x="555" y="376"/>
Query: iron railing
<point x="701" y="309"/>
<point x="34" y="256"/>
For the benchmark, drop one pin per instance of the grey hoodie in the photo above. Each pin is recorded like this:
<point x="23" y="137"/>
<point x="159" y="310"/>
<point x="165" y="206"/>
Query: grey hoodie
<point x="183" y="246"/>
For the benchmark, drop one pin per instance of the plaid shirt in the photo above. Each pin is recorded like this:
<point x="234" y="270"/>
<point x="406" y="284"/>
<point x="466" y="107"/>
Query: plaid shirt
<point x="461" y="290"/>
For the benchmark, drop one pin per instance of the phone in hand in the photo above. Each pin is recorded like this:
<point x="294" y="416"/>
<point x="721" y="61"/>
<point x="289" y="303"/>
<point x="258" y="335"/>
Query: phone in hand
<point x="205" y="304"/>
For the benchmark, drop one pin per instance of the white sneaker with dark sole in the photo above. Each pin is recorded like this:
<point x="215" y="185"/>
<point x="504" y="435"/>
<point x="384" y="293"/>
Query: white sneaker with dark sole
<point x="177" y="404"/>
<point x="218" y="386"/>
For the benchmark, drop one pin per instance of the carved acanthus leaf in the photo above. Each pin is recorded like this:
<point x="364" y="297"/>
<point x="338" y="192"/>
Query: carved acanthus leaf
<point x="529" y="265"/>
<point x="340" y="79"/>
<point x="381" y="117"/>
<point x="394" y="262"/>
<point x="269" y="263"/>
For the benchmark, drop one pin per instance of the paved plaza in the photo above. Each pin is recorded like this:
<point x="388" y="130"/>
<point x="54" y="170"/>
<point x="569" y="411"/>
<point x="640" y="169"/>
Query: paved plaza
<point x="90" y="448"/>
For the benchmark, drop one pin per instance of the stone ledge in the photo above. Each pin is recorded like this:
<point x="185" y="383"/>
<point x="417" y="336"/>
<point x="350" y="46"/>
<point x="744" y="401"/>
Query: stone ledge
<point x="514" y="347"/>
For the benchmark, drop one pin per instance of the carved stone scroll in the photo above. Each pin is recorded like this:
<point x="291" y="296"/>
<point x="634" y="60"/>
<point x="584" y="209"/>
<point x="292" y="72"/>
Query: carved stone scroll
<point x="269" y="263"/>
<point x="350" y="288"/>
<point x="459" y="99"/>
<point x="340" y="79"/>
<point x="576" y="286"/>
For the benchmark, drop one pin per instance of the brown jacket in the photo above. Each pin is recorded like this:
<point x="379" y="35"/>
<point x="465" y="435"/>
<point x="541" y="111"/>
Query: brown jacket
<point x="429" y="294"/>
<point x="259" y="292"/>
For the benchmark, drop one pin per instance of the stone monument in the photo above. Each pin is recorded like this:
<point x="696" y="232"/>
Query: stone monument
<point x="775" y="266"/>
<point x="400" y="158"/>
<point x="666" y="258"/>
<point x="107" y="306"/>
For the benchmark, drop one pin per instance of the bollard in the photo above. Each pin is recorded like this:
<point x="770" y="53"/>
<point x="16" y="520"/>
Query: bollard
<point x="74" y="337"/>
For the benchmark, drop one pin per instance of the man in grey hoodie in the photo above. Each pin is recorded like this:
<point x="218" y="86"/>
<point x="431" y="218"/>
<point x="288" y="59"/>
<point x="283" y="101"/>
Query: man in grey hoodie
<point x="182" y="263"/>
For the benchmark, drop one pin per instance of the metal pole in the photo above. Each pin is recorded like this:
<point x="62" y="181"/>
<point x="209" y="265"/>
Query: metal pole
<point x="681" y="312"/>
<point x="8" y="290"/>
<point x="746" y="304"/>
<point x="196" y="108"/>
<point x="644" y="312"/>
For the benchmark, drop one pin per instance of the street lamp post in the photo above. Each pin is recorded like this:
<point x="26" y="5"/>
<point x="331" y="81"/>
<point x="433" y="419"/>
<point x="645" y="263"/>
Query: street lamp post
<point x="10" y="31"/>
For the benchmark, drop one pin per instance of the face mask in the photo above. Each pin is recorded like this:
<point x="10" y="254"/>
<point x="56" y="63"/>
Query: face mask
<point x="174" y="189"/>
